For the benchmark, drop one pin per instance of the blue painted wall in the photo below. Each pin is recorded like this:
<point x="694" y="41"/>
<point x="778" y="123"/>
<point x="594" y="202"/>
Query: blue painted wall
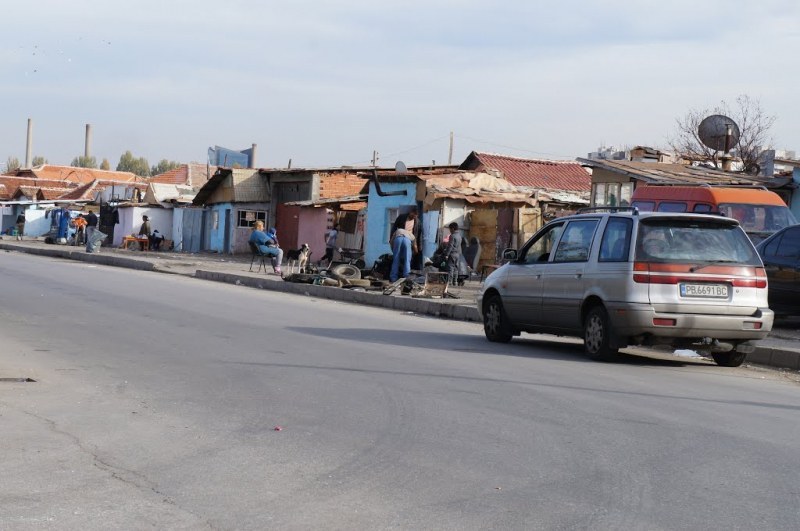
<point x="378" y="224"/>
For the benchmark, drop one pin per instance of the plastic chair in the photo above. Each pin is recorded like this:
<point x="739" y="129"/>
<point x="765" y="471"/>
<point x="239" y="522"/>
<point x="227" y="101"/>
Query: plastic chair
<point x="257" y="254"/>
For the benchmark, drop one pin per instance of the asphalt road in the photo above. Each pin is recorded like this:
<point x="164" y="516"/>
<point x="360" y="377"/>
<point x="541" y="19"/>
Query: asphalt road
<point x="158" y="397"/>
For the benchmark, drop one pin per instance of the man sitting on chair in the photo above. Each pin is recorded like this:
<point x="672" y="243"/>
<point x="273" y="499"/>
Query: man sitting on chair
<point x="267" y="243"/>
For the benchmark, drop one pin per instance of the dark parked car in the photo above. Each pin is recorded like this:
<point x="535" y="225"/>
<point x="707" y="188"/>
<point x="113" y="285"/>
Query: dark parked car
<point x="781" y="256"/>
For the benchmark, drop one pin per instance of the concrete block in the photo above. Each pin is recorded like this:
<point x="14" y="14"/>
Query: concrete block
<point x="786" y="359"/>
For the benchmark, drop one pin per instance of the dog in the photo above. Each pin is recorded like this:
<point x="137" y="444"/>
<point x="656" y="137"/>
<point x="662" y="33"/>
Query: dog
<point x="298" y="257"/>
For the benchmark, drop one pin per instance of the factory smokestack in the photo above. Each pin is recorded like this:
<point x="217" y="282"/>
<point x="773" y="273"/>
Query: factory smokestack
<point x="253" y="156"/>
<point x="87" y="152"/>
<point x="29" y="144"/>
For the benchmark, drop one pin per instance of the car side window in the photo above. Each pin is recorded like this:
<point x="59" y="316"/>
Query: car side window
<point x="790" y="244"/>
<point x="616" y="242"/>
<point x="644" y="206"/>
<point x="702" y="208"/>
<point x="576" y="242"/>
<point x="539" y="248"/>
<point x="771" y="249"/>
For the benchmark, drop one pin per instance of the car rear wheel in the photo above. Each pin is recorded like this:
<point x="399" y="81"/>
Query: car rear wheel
<point x="597" y="335"/>
<point x="729" y="359"/>
<point x="495" y="323"/>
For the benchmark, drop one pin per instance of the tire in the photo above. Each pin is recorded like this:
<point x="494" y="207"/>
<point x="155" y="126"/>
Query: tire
<point x="729" y="359"/>
<point x="597" y="335"/>
<point x="495" y="323"/>
<point x="350" y="272"/>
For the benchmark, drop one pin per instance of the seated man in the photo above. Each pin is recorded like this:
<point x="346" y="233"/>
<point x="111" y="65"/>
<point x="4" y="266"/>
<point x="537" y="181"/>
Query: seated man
<point x="267" y="243"/>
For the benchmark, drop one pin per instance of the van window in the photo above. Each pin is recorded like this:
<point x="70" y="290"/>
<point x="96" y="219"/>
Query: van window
<point x="703" y="208"/>
<point x="576" y="242"/>
<point x="644" y="206"/>
<point x="681" y="241"/>
<point x="671" y="206"/>
<point x="759" y="218"/>
<point x="616" y="240"/>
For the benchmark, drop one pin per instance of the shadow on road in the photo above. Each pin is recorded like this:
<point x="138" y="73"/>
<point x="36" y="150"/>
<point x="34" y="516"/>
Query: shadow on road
<point x="525" y="347"/>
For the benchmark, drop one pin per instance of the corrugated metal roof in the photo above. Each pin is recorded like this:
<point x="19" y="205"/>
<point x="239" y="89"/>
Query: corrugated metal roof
<point x="533" y="173"/>
<point x="662" y="173"/>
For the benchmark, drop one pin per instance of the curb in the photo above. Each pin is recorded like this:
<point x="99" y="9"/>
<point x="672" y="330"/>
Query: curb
<point x="775" y="357"/>
<point x="406" y="304"/>
<point x="83" y="256"/>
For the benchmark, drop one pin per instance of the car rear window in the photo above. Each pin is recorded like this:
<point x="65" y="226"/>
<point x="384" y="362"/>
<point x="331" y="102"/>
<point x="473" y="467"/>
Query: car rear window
<point x="680" y="241"/>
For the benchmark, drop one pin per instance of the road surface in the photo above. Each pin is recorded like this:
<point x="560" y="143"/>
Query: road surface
<point x="167" y="402"/>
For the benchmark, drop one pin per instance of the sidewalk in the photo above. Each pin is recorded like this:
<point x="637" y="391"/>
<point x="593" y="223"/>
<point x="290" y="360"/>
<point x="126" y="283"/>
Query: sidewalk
<point x="781" y="349"/>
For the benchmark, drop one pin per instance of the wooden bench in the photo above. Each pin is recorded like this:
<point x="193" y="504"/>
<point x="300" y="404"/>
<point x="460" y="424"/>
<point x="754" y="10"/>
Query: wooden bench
<point x="127" y="240"/>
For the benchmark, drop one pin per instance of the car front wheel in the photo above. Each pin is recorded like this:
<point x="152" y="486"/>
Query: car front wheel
<point x="597" y="335"/>
<point x="495" y="323"/>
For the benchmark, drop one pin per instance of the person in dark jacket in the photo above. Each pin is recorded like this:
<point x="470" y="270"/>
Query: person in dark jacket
<point x="20" y="225"/>
<point x="91" y="226"/>
<point x="452" y="252"/>
<point x="405" y="240"/>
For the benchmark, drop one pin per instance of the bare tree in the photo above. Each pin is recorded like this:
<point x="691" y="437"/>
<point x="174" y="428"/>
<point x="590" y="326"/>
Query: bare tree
<point x="754" y="125"/>
<point x="38" y="161"/>
<point x="83" y="161"/>
<point x="12" y="164"/>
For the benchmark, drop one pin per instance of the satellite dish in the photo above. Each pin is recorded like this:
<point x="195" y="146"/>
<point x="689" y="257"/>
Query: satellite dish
<point x="400" y="167"/>
<point x="718" y="132"/>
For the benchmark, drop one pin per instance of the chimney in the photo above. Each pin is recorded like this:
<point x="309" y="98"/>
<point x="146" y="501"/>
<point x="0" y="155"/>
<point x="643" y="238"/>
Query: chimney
<point x="253" y="156"/>
<point x="88" y="146"/>
<point x="29" y="144"/>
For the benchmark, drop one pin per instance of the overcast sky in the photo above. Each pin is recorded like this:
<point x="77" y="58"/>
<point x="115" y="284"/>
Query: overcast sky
<point x="326" y="82"/>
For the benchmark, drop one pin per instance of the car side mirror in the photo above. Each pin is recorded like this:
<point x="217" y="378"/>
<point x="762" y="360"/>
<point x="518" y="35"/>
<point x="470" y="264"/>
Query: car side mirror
<point x="510" y="255"/>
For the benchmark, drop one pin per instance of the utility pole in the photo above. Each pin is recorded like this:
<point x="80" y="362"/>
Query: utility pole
<point x="375" y="158"/>
<point x="450" y="153"/>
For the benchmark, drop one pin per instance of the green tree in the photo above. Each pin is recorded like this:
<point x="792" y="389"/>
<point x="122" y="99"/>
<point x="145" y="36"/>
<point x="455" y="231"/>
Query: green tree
<point x="38" y="161"/>
<point x="164" y="166"/>
<point x="12" y="163"/>
<point x="84" y="162"/>
<point x="140" y="166"/>
<point x="105" y="165"/>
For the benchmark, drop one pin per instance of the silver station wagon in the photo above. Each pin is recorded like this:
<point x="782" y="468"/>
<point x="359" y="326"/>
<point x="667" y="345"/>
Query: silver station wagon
<point x="617" y="277"/>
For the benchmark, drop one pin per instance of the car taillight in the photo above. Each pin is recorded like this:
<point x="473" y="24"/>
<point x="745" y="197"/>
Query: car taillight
<point x="645" y="273"/>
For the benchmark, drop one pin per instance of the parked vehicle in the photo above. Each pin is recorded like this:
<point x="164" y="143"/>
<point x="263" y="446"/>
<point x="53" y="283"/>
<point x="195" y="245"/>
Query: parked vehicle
<point x="617" y="277"/>
<point x="781" y="256"/>
<point x="759" y="211"/>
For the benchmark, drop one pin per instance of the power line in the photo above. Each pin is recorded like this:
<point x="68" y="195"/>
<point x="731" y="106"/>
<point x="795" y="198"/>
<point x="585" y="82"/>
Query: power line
<point x="568" y="157"/>
<point x="426" y="144"/>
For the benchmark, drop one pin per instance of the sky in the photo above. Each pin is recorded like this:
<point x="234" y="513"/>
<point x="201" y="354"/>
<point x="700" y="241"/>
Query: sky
<point x="325" y="83"/>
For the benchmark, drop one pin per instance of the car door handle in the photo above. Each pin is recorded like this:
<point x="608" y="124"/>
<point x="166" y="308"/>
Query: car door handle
<point x="578" y="275"/>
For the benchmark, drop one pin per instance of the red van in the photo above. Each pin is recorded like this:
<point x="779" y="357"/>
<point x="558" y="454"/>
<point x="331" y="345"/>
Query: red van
<point x="759" y="211"/>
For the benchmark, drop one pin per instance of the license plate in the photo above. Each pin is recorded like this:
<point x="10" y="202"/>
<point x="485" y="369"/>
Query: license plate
<point x="718" y="291"/>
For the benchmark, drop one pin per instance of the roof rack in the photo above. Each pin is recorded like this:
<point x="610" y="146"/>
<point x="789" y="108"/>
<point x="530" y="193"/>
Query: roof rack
<point x="588" y="210"/>
<point x="711" y="185"/>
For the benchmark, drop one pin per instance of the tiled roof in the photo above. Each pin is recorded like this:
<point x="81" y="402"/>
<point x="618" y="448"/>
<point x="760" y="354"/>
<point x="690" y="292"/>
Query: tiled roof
<point x="533" y="173"/>
<point x="48" y="194"/>
<point x="192" y="174"/>
<point x="78" y="175"/>
<point x="9" y="184"/>
<point x="27" y="191"/>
